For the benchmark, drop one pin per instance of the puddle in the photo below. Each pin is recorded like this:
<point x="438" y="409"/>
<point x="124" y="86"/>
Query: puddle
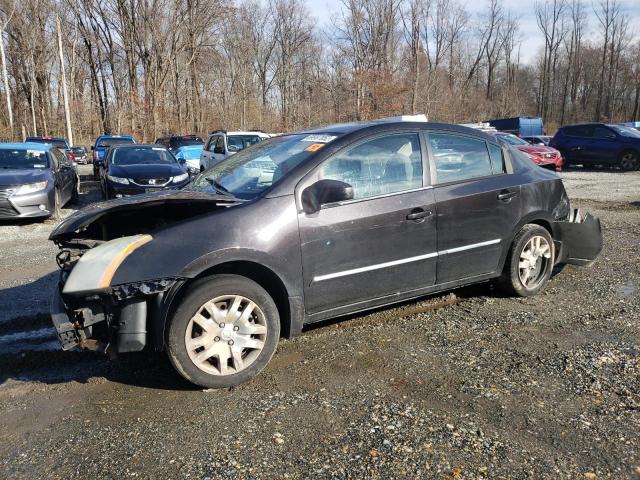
<point x="627" y="290"/>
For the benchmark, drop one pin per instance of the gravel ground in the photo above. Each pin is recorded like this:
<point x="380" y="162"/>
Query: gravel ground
<point x="468" y="384"/>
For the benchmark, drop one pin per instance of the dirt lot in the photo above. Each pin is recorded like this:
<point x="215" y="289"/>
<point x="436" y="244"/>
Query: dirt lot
<point x="463" y="385"/>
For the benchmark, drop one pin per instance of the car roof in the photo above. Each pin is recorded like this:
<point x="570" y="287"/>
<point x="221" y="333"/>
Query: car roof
<point x="140" y="145"/>
<point x="42" y="147"/>
<point x="191" y="147"/>
<point x="341" y="129"/>
<point x="114" y="136"/>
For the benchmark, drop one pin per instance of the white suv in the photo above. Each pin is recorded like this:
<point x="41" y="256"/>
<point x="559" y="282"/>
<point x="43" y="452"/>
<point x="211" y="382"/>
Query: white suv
<point x="223" y="144"/>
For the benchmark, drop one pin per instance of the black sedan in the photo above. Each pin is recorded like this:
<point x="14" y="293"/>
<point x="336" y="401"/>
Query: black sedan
<point x="305" y="227"/>
<point x="135" y="169"/>
<point x="36" y="180"/>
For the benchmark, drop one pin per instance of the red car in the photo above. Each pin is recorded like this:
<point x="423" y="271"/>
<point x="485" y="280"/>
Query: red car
<point x="544" y="156"/>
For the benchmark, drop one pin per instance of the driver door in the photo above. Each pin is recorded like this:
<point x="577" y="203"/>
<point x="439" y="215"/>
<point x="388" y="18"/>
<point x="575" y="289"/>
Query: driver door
<point x="382" y="242"/>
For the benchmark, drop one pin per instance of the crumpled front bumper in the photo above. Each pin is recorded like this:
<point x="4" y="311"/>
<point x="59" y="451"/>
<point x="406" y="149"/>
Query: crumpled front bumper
<point x="65" y="328"/>
<point x="579" y="239"/>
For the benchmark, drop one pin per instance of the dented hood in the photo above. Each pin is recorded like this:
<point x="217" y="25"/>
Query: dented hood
<point x="181" y="204"/>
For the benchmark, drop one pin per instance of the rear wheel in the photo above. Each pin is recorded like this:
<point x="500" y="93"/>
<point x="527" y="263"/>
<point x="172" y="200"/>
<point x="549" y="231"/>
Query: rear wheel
<point x="529" y="262"/>
<point x="224" y="332"/>
<point x="629" y="161"/>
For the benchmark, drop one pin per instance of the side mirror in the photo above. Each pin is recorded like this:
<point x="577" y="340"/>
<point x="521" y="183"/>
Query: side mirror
<point x="218" y="150"/>
<point x="182" y="161"/>
<point x="323" y="192"/>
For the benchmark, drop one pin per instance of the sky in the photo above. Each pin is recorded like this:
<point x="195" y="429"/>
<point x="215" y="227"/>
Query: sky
<point x="532" y="40"/>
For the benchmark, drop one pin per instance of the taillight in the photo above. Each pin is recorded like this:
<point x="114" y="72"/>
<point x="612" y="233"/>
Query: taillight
<point x="71" y="156"/>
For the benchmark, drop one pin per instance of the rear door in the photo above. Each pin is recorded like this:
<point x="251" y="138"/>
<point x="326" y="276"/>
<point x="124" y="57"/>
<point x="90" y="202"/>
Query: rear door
<point x="383" y="242"/>
<point x="478" y="204"/>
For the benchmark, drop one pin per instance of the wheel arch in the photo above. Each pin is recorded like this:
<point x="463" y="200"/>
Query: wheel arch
<point x="542" y="219"/>
<point x="291" y="312"/>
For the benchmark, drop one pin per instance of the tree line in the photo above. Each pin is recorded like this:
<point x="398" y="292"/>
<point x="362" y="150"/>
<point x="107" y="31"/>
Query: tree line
<point x="151" y="67"/>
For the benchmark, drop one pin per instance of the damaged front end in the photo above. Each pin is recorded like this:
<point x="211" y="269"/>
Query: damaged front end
<point x="89" y="308"/>
<point x="89" y="313"/>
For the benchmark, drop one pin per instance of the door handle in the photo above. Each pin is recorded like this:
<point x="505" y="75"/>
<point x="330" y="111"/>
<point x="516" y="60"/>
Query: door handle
<point x="418" y="213"/>
<point x="506" y="195"/>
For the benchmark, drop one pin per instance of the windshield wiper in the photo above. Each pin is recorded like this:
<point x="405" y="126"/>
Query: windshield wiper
<point x="220" y="188"/>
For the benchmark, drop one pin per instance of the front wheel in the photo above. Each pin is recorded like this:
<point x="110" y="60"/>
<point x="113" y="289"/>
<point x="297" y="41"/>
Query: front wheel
<point x="224" y="332"/>
<point x="529" y="262"/>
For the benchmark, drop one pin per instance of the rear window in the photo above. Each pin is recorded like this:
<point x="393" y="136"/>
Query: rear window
<point x="50" y="141"/>
<point x="178" y="142"/>
<point x="235" y="143"/>
<point x="109" y="142"/>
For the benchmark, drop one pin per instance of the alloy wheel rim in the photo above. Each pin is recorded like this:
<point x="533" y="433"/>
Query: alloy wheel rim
<point x="628" y="161"/>
<point x="534" y="260"/>
<point x="226" y="335"/>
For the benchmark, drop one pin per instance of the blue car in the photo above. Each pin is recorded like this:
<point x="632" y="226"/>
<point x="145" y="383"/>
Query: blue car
<point x="103" y="142"/>
<point x="36" y="180"/>
<point x="599" y="144"/>
<point x="189" y="156"/>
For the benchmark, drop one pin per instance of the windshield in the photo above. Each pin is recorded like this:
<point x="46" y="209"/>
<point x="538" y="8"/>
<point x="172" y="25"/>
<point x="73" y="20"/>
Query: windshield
<point x="512" y="139"/>
<point x="78" y="150"/>
<point x="51" y="141"/>
<point x="247" y="174"/>
<point x="23" y="159"/>
<point x="141" y="156"/>
<point x="182" y="141"/>
<point x="109" y="142"/>
<point x="626" y="131"/>
<point x="235" y="143"/>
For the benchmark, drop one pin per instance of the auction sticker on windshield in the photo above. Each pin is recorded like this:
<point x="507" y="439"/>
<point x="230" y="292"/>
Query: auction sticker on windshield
<point x="318" y="138"/>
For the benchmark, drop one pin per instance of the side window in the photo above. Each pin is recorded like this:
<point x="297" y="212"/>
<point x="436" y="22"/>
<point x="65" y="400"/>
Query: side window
<point x="602" y="132"/>
<point x="210" y="143"/>
<point x="497" y="159"/>
<point x="220" y="145"/>
<point x="579" y="131"/>
<point x="388" y="164"/>
<point x="459" y="158"/>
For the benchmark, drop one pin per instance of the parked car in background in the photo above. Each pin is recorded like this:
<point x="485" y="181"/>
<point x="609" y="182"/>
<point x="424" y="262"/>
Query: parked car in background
<point x="102" y="144"/>
<point x="541" y="155"/>
<point x="222" y="144"/>
<point x="635" y="125"/>
<point x="36" y="180"/>
<point x="599" y="144"/>
<point x="58" y="142"/>
<point x="305" y="227"/>
<point x="538" y="140"/>
<point x="81" y="155"/>
<point x="174" y="142"/>
<point x="521" y="126"/>
<point x="135" y="169"/>
<point x="190" y="155"/>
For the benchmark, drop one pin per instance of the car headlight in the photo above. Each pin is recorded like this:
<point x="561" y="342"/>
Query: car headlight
<point x="30" y="188"/>
<point x="180" y="178"/>
<point x="96" y="268"/>
<point x="123" y="181"/>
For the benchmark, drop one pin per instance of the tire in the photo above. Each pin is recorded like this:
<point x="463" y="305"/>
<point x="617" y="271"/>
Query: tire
<point x="628" y="161"/>
<point x="526" y="280"/>
<point x="57" y="207"/>
<point x="565" y="159"/>
<point x="75" y="195"/>
<point x="237" y="349"/>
